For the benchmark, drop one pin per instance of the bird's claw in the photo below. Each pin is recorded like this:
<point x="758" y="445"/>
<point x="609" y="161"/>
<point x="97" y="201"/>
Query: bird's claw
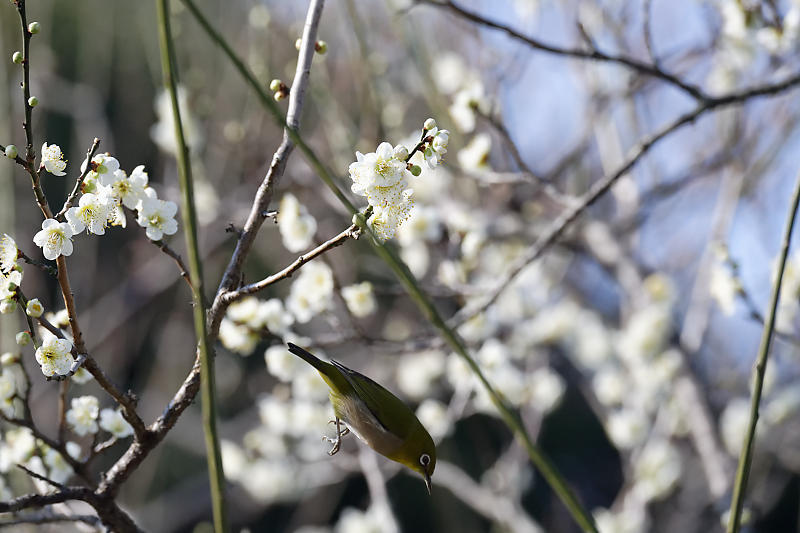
<point x="337" y="442"/>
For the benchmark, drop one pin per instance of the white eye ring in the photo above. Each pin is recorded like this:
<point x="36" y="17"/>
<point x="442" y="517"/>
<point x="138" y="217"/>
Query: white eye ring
<point x="424" y="459"/>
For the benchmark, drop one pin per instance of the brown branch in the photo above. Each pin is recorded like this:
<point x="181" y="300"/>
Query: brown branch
<point x="263" y="196"/>
<point x="46" y="517"/>
<point x="77" y="189"/>
<point x="353" y="232"/>
<point x="40" y="500"/>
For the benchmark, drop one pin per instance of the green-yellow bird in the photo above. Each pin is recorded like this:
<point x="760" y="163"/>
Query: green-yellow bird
<point x="375" y="415"/>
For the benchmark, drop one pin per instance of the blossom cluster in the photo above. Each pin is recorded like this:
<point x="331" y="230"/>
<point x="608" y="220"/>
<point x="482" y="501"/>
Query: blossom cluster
<point x="384" y="178"/>
<point x="10" y="274"/>
<point x="107" y="189"/>
<point x="20" y="446"/>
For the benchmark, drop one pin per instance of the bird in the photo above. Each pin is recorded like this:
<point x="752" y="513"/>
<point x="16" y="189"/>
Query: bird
<point x="376" y="416"/>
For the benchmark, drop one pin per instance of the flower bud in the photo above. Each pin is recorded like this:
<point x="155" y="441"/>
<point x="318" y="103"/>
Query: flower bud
<point x="34" y="308"/>
<point x="275" y="85"/>
<point x="23" y="338"/>
<point x="297" y="43"/>
<point x="11" y="151"/>
<point x="321" y="47"/>
<point x="33" y="101"/>
<point x="17" y="57"/>
<point x="429" y="124"/>
<point x="280" y="95"/>
<point x="416" y="170"/>
<point x="7" y="306"/>
<point x="34" y="27"/>
<point x="9" y="358"/>
<point x="400" y="152"/>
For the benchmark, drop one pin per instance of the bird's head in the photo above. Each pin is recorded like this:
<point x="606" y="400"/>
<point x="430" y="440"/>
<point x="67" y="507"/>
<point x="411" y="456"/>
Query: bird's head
<point x="419" y="454"/>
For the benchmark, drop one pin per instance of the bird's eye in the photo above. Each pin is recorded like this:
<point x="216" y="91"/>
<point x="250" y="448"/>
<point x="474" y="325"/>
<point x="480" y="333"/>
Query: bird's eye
<point x="424" y="459"/>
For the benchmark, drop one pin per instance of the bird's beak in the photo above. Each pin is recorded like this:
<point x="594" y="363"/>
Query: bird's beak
<point x="427" y="482"/>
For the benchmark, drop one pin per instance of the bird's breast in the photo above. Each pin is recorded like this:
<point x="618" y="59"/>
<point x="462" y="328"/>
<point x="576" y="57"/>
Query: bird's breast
<point x="365" y="424"/>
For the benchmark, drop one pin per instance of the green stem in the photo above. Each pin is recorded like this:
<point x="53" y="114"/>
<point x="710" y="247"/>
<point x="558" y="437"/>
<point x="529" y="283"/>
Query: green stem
<point x="189" y="216"/>
<point x="545" y="466"/>
<point x="746" y="456"/>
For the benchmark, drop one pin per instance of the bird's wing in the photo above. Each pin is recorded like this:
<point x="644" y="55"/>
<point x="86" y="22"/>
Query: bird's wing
<point x="380" y="402"/>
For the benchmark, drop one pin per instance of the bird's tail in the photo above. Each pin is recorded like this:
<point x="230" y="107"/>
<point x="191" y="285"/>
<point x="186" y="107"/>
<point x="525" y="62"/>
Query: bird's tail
<point x="308" y="357"/>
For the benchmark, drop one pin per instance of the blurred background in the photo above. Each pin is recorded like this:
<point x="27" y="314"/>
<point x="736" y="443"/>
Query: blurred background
<point x="628" y="347"/>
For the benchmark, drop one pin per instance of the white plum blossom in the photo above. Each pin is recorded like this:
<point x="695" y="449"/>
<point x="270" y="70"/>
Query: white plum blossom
<point x="386" y="219"/>
<point x="245" y="311"/>
<point x="626" y="428"/>
<point x="433" y="415"/>
<point x="360" y="299"/>
<point x="424" y="223"/>
<point x="158" y="217"/>
<point x="55" y="238"/>
<point x="53" y="159"/>
<point x="127" y="189"/>
<point x="724" y="288"/>
<point x="91" y="214"/>
<point x="112" y="421"/>
<point x="8" y="384"/>
<point x="376" y="171"/>
<point x="465" y="102"/>
<point x="16" y="447"/>
<point x="657" y="469"/>
<point x="311" y="292"/>
<point x="54" y="356"/>
<point x="163" y="131"/>
<point x="8" y="285"/>
<point x="545" y="389"/>
<point x="34" y="308"/>
<point x="82" y="416"/>
<point x="384" y="180"/>
<point x="435" y="150"/>
<point x="102" y="170"/>
<point x="8" y="253"/>
<point x="474" y="157"/>
<point x="283" y="364"/>
<point x="274" y="317"/>
<point x="308" y="385"/>
<point x="81" y="376"/>
<point x="59" y="469"/>
<point x="296" y="226"/>
<point x="237" y="337"/>
<point x="354" y="520"/>
<point x="416" y="374"/>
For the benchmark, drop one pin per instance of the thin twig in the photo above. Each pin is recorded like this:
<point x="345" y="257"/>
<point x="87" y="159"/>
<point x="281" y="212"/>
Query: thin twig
<point x="593" y="54"/>
<point x="352" y="232"/>
<point x="164" y="247"/>
<point x="40" y="477"/>
<point x="47" y="517"/>
<point x="77" y="466"/>
<point x="746" y="456"/>
<point x="77" y="189"/>
<point x="599" y="188"/>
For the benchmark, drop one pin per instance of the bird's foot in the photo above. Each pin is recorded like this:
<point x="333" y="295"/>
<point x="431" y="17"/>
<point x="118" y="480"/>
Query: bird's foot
<point x="337" y="442"/>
